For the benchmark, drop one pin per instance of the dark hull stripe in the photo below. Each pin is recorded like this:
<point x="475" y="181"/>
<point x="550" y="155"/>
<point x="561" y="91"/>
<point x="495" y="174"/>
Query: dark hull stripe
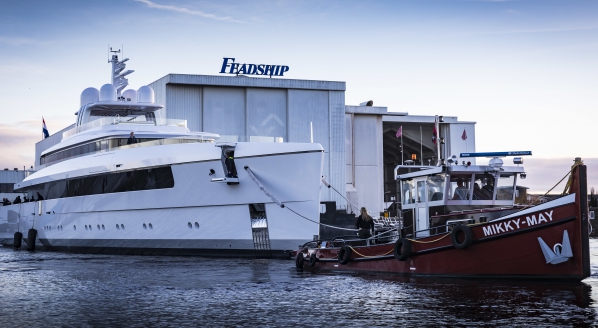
<point x="478" y="241"/>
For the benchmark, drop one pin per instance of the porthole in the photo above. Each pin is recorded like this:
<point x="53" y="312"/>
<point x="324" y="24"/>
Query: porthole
<point x="117" y="227"/>
<point x="151" y="226"/>
<point x="75" y="227"/>
<point x="103" y="228"/>
<point x="196" y="225"/>
<point x="144" y="226"/>
<point x="98" y="227"/>
<point x="86" y="227"/>
<point x="122" y="226"/>
<point x="189" y="225"/>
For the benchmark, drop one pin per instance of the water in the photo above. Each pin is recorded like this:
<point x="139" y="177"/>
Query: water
<point x="47" y="289"/>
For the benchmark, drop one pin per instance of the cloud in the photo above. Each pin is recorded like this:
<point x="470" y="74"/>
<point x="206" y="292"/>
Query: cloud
<point x="20" y="145"/>
<point x="19" y="139"/>
<point x="23" y="41"/>
<point x="188" y="11"/>
<point x="511" y="11"/>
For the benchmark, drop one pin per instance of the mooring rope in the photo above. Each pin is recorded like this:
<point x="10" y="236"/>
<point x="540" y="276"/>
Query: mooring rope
<point x="566" y="186"/>
<point x="348" y="201"/>
<point x="431" y="241"/>
<point x="254" y="178"/>
<point x="373" y="256"/>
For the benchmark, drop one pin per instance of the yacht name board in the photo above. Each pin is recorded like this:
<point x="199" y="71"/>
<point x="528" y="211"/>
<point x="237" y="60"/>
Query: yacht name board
<point x="516" y="224"/>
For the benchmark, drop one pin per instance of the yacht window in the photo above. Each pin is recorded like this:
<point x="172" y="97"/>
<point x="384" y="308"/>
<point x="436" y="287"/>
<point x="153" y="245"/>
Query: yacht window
<point x="483" y="187"/>
<point x="407" y="188"/>
<point x="436" y="187"/>
<point x="504" y="187"/>
<point x="138" y="180"/>
<point x="110" y="144"/>
<point x="459" y="186"/>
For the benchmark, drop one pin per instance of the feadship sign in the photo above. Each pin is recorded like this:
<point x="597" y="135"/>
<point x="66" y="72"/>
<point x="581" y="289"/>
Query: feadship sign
<point x="230" y="67"/>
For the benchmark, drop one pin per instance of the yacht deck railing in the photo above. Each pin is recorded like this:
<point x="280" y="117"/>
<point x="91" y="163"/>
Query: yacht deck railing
<point x="140" y="120"/>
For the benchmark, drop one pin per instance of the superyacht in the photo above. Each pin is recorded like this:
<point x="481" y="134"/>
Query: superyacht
<point x="126" y="180"/>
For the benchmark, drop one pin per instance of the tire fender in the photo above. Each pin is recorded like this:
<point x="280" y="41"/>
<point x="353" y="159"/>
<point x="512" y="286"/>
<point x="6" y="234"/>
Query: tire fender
<point x="466" y="232"/>
<point x="344" y="255"/>
<point x="313" y="259"/>
<point x="402" y="249"/>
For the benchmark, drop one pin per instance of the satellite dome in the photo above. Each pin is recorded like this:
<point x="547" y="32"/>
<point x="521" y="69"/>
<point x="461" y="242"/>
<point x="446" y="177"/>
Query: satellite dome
<point x="130" y="95"/>
<point x="108" y="93"/>
<point x="145" y="94"/>
<point x="89" y="96"/>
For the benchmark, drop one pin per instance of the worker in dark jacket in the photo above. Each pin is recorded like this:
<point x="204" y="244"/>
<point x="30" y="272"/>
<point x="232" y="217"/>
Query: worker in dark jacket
<point x="132" y="139"/>
<point x="230" y="165"/>
<point x="365" y="224"/>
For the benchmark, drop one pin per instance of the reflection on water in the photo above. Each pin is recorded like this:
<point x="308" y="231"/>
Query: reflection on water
<point x="54" y="289"/>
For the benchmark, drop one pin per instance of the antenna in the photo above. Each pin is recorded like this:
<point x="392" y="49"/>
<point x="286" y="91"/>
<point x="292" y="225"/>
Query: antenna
<point x="117" y="75"/>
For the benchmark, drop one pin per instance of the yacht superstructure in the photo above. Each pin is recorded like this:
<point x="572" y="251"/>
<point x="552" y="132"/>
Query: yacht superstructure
<point x="167" y="190"/>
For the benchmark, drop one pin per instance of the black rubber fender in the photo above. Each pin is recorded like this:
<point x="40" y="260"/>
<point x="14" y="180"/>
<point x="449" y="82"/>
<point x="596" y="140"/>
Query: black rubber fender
<point x="466" y="232"/>
<point x="405" y="245"/>
<point x="299" y="260"/>
<point x="344" y="255"/>
<point x="313" y="259"/>
<point x="31" y="235"/>
<point x="18" y="239"/>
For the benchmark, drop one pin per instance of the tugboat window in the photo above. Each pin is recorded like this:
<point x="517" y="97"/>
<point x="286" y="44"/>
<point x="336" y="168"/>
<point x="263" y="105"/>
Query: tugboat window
<point x="459" y="187"/>
<point x="504" y="187"/>
<point x="407" y="188"/>
<point x="483" y="187"/>
<point x="436" y="187"/>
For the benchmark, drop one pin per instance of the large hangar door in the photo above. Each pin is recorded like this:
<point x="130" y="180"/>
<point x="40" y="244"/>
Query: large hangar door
<point x="266" y="115"/>
<point x="224" y="112"/>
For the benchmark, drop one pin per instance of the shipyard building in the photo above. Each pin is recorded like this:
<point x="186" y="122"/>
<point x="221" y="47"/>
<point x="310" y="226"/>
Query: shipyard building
<point x="363" y="144"/>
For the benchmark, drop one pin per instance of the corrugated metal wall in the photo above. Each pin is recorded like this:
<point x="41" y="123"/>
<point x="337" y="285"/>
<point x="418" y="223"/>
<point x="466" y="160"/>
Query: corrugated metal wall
<point x="368" y="156"/>
<point x="337" y="173"/>
<point x="349" y="148"/>
<point x="305" y="106"/>
<point x="184" y="102"/>
<point x="160" y="93"/>
<point x="224" y="111"/>
<point x="267" y="112"/>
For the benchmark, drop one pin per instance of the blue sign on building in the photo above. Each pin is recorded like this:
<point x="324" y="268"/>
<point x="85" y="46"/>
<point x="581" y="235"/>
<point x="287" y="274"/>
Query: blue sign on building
<point x="230" y="67"/>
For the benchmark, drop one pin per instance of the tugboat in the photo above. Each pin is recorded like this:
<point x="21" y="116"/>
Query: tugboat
<point x="461" y="220"/>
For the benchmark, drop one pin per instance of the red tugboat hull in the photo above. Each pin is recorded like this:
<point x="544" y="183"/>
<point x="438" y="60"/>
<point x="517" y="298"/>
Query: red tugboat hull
<point x="548" y="241"/>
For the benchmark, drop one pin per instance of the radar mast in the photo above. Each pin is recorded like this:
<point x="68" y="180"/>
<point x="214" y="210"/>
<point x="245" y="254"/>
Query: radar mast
<point x="118" y="76"/>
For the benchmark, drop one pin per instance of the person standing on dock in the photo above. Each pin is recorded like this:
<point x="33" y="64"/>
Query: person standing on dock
<point x="365" y="224"/>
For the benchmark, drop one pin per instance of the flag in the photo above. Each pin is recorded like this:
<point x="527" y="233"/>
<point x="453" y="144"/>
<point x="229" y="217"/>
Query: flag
<point x="464" y="135"/>
<point x="45" y="129"/>
<point x="400" y="132"/>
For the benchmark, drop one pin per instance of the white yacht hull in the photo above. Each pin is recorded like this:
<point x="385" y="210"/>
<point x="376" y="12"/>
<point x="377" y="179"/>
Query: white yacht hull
<point x="196" y="216"/>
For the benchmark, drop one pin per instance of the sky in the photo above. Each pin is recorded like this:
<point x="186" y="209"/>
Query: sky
<point x="525" y="71"/>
